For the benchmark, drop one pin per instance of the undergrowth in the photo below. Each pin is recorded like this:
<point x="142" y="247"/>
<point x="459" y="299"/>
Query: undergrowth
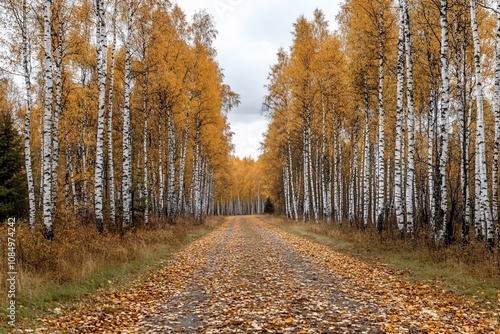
<point x="472" y="271"/>
<point x="79" y="261"/>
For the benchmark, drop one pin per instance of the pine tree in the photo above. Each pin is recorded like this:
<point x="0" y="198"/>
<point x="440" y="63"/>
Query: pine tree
<point x="13" y="187"/>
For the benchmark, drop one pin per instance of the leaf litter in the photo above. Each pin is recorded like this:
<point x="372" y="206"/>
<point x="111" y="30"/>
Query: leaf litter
<point x="249" y="276"/>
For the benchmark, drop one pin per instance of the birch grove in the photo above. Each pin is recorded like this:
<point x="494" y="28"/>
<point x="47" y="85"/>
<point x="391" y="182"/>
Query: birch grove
<point x="103" y="63"/>
<point x="405" y="164"/>
<point x="390" y="122"/>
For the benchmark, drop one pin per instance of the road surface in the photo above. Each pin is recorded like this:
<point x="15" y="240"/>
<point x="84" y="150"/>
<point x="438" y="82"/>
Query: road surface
<point x="248" y="276"/>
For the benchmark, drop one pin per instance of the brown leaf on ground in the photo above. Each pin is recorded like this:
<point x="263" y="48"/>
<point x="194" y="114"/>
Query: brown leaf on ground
<point x="248" y="276"/>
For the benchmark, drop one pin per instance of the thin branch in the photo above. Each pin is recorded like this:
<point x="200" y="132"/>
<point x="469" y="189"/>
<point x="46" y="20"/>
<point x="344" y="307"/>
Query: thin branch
<point x="487" y="7"/>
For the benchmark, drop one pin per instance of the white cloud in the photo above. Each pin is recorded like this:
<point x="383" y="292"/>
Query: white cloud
<point x="250" y="33"/>
<point x="247" y="137"/>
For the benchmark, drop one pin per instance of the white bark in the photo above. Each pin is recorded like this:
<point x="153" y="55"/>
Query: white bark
<point x="464" y="117"/>
<point x="101" y="73"/>
<point x="72" y="177"/>
<point x="171" y="201"/>
<point x="311" y="175"/>
<point x="366" y="172"/>
<point x="354" y="178"/>
<point x="496" y="147"/>
<point x="305" y="152"/>
<point x="161" y="179"/>
<point x="399" y="155"/>
<point x="324" y="162"/>
<point x="440" y="189"/>
<point x="182" y="166"/>
<point x="286" y="186"/>
<point x="127" y="140"/>
<point x="292" y="187"/>
<point x="47" y="122"/>
<point x="381" y="141"/>
<point x="58" y="57"/>
<point x="410" y="174"/>
<point x="430" y="153"/>
<point x="111" y="168"/>
<point x="145" y="193"/>
<point x="481" y="175"/>
<point x="196" y="180"/>
<point x="26" y="56"/>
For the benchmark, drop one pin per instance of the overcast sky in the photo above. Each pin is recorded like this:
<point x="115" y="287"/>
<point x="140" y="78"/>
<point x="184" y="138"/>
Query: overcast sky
<point x="250" y="34"/>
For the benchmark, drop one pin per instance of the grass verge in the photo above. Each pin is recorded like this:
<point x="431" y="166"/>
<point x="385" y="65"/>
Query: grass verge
<point x="79" y="262"/>
<point x="472" y="272"/>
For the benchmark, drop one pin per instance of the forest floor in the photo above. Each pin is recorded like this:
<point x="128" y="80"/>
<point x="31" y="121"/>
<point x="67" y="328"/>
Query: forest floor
<point x="250" y="276"/>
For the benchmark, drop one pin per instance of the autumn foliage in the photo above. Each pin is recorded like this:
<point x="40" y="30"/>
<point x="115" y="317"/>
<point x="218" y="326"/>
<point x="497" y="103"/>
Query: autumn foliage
<point x="381" y="123"/>
<point x="136" y="122"/>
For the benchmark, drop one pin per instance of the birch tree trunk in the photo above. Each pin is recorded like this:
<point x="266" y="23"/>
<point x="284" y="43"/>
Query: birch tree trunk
<point x="101" y="73"/>
<point x="161" y="180"/>
<point x="305" y="153"/>
<point x="58" y="58"/>
<point x="182" y="166"/>
<point x="324" y="161"/>
<point x="145" y="193"/>
<point x="111" y="167"/>
<point x="410" y="175"/>
<point x="311" y="174"/>
<point x="464" y="144"/>
<point x="496" y="147"/>
<point x="354" y="179"/>
<point x="85" y="190"/>
<point x="431" y="138"/>
<point x="127" y="140"/>
<point x="286" y="181"/>
<point x="72" y="178"/>
<point x="26" y="56"/>
<point x="398" y="192"/>
<point x="292" y="187"/>
<point x="171" y="201"/>
<point x="440" y="191"/>
<point x="47" y="122"/>
<point x="381" y="147"/>
<point x="481" y="175"/>
<point x="366" y="172"/>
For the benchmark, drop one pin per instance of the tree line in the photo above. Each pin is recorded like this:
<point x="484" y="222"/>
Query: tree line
<point x="392" y="121"/>
<point x="123" y="109"/>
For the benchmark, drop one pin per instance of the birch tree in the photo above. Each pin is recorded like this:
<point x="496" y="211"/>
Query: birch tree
<point x="439" y="184"/>
<point x="496" y="147"/>
<point x="127" y="139"/>
<point x="398" y="190"/>
<point x="110" y="160"/>
<point x="410" y="177"/>
<point x="483" y="215"/>
<point x="47" y="122"/>
<point x="21" y="15"/>
<point x="101" y="37"/>
<point x="381" y="140"/>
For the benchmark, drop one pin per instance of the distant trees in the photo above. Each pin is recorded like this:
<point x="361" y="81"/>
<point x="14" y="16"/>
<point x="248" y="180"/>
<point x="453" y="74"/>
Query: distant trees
<point x="384" y="122"/>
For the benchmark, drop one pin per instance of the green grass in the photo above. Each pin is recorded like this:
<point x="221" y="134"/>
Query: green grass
<point x="477" y="279"/>
<point x="51" y="295"/>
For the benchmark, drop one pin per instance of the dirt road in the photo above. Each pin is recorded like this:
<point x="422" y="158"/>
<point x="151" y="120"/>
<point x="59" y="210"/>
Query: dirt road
<point x="249" y="276"/>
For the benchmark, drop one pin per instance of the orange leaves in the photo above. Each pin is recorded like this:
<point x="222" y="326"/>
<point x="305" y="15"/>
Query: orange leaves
<point x="247" y="276"/>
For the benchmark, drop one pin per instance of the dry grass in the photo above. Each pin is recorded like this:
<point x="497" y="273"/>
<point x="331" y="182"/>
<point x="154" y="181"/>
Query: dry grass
<point x="79" y="260"/>
<point x="471" y="270"/>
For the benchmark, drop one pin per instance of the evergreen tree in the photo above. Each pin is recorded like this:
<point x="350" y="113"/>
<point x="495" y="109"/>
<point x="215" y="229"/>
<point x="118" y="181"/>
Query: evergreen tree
<point x="13" y="187"/>
<point x="268" y="206"/>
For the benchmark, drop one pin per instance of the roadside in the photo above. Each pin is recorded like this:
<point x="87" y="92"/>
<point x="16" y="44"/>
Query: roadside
<point x="43" y="294"/>
<point x="411" y="259"/>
